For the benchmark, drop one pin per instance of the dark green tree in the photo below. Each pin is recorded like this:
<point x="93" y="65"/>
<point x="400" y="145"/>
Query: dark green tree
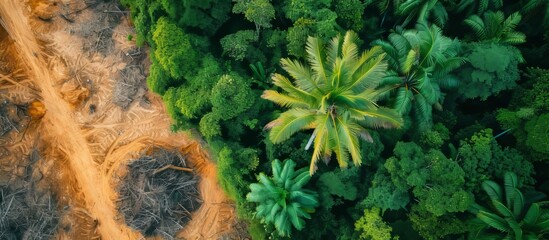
<point x="436" y="181"/>
<point x="482" y="159"/>
<point x="491" y="69"/>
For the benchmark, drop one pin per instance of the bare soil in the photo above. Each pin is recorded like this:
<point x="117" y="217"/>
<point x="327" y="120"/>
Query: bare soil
<point x="69" y="63"/>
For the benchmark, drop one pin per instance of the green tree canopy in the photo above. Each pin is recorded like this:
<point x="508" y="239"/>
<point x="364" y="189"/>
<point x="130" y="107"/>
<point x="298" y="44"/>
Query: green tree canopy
<point x="173" y="49"/>
<point x="260" y="12"/>
<point x="437" y="182"/>
<point x="372" y="226"/>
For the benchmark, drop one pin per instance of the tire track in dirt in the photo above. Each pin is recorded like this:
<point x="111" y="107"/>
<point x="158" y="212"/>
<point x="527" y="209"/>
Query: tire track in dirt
<point x="60" y="123"/>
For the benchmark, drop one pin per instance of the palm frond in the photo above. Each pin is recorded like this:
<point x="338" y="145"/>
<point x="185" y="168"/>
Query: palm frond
<point x="348" y="133"/>
<point x="315" y="57"/>
<point x="320" y="142"/>
<point x="493" y="220"/>
<point x="284" y="100"/>
<point x="379" y="118"/>
<point x="403" y="100"/>
<point x="368" y="75"/>
<point x="493" y="190"/>
<point x="301" y="74"/>
<point x="532" y="215"/>
<point x="284" y="83"/>
<point x="290" y="122"/>
<point x="510" y="182"/>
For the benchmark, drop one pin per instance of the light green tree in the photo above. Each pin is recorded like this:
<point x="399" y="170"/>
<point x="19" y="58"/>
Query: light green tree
<point x="372" y="226"/>
<point x="336" y="96"/>
<point x="260" y="12"/>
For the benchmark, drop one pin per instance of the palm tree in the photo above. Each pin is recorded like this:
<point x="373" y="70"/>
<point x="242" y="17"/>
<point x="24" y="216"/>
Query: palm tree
<point x="423" y="9"/>
<point x="494" y="27"/>
<point x="281" y="199"/>
<point x="509" y="214"/>
<point x="336" y="96"/>
<point x="419" y="64"/>
<point x="480" y="6"/>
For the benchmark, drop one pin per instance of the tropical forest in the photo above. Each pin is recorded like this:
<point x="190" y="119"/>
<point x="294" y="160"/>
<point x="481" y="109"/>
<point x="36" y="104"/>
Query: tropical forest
<point x="274" y="119"/>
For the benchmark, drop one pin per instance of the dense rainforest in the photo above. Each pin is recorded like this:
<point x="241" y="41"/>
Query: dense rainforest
<point x="362" y="119"/>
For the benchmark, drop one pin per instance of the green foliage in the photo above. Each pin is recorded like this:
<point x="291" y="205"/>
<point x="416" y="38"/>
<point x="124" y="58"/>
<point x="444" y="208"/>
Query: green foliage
<point x="206" y="15"/>
<point x="434" y="138"/>
<point x="194" y="98"/>
<point x="209" y="125"/>
<point x="537" y="130"/>
<point x="159" y="79"/>
<point x="538" y="96"/>
<point x="494" y="27"/>
<point x="482" y="158"/>
<point x="260" y="12"/>
<point x="423" y="10"/>
<point x="349" y="13"/>
<point x="281" y="198"/>
<point x="372" y="226"/>
<point x="418" y="184"/>
<point x="234" y="164"/>
<point x="297" y="36"/>
<point x="437" y="181"/>
<point x="237" y="45"/>
<point x="509" y="214"/>
<point x="231" y="96"/>
<point x="432" y="227"/>
<point x="335" y="96"/>
<point x="338" y="186"/>
<point x="480" y="6"/>
<point x="492" y="68"/>
<point x="372" y="149"/>
<point x="528" y="106"/>
<point x="384" y="194"/>
<point x="173" y="49"/>
<point x="420" y="61"/>
<point x="295" y="9"/>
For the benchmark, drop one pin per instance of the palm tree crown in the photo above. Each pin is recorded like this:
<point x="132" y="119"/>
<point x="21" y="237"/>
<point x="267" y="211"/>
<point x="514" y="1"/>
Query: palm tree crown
<point x="335" y="96"/>
<point x="281" y="199"/>
<point x="420" y="61"/>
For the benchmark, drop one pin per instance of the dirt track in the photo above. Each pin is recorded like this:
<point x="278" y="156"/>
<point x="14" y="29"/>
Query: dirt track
<point x="96" y="145"/>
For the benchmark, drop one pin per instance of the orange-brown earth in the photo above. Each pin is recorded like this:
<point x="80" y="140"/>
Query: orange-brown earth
<point x="72" y="59"/>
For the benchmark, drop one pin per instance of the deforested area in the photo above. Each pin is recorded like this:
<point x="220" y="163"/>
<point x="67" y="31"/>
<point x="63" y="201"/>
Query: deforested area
<point x="158" y="193"/>
<point x="75" y="114"/>
<point x="27" y="209"/>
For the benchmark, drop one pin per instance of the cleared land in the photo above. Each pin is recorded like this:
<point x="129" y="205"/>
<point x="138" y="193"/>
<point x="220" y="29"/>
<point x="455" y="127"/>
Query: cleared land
<point x="74" y="57"/>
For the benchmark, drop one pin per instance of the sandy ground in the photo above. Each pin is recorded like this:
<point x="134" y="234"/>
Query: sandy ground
<point x="86" y="137"/>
